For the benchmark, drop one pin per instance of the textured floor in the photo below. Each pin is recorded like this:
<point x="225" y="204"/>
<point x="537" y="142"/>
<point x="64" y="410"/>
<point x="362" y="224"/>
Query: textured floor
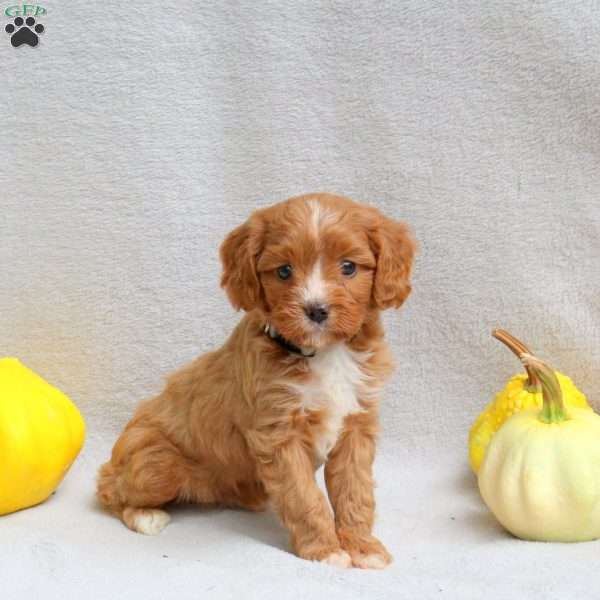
<point x="445" y="545"/>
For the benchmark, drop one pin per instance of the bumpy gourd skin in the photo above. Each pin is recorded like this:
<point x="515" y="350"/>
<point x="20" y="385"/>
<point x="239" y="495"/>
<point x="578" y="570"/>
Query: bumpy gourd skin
<point x="514" y="398"/>
<point x="541" y="473"/>
<point x="41" y="433"/>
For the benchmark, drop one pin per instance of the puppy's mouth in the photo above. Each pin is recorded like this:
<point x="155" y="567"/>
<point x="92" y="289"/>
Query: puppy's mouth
<point x="316" y="333"/>
<point x="300" y="331"/>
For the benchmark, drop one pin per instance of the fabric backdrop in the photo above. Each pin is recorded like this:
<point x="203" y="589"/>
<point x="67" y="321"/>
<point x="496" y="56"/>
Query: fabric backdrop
<point x="136" y="135"/>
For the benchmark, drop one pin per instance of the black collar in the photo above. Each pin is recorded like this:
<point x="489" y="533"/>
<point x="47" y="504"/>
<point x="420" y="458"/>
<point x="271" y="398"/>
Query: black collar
<point x="273" y="334"/>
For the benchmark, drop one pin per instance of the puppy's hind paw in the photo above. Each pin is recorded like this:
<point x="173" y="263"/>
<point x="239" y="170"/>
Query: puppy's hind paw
<point x="149" y="521"/>
<point x="339" y="559"/>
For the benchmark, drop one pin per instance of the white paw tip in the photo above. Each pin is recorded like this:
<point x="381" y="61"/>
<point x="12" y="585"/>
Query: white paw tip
<point x="339" y="559"/>
<point x="150" y="521"/>
<point x="371" y="561"/>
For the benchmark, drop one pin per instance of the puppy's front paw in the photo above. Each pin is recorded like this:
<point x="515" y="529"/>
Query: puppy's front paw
<point x="366" y="552"/>
<point x="371" y="561"/>
<point x="339" y="559"/>
<point x="329" y="554"/>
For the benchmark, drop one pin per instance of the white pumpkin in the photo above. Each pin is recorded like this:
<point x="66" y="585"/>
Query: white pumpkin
<point x="541" y="472"/>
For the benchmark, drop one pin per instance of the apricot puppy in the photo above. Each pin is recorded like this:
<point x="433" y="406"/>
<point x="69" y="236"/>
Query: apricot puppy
<point x="295" y="386"/>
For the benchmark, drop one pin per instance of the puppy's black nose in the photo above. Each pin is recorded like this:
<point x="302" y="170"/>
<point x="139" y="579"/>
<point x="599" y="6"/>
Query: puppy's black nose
<point x="317" y="312"/>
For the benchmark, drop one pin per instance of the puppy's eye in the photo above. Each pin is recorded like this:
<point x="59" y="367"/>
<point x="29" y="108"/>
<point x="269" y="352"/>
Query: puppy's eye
<point x="284" y="272"/>
<point x="348" y="268"/>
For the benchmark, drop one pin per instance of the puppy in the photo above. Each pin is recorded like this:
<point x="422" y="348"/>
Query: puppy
<point x="295" y="386"/>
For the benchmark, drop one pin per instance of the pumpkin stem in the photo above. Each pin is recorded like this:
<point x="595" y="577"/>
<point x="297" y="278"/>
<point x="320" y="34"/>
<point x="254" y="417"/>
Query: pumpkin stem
<point x="519" y="348"/>
<point x="553" y="409"/>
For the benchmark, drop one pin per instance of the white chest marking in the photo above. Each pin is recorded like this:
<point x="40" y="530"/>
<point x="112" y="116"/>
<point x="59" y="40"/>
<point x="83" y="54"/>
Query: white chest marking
<point x="337" y="381"/>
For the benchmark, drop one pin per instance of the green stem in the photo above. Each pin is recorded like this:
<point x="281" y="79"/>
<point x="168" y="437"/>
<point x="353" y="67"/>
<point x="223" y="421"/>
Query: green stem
<point x="553" y="409"/>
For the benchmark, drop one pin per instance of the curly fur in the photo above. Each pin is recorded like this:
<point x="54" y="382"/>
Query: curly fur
<point x="249" y="423"/>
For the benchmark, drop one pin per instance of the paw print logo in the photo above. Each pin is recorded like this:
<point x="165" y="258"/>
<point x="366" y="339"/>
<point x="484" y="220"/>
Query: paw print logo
<point x="24" y="32"/>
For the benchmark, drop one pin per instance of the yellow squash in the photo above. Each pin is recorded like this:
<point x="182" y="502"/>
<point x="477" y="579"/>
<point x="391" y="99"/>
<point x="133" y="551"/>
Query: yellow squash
<point x="41" y="433"/>
<point x="541" y="473"/>
<point x="522" y="392"/>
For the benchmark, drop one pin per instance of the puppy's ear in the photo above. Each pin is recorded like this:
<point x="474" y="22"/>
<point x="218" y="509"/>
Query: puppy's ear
<point x="394" y="248"/>
<point x="239" y="253"/>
